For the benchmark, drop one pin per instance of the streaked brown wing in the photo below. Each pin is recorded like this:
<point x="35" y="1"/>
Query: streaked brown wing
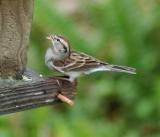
<point x="79" y="62"/>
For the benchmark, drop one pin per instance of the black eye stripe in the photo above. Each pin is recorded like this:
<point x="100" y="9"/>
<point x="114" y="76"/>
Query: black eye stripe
<point x="64" y="47"/>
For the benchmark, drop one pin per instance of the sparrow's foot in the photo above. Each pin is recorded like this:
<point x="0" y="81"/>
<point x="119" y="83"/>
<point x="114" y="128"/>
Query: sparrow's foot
<point x="72" y="79"/>
<point x="65" y="99"/>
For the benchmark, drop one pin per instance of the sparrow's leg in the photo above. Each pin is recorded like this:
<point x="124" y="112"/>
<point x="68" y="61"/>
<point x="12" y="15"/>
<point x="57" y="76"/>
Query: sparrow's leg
<point x="72" y="79"/>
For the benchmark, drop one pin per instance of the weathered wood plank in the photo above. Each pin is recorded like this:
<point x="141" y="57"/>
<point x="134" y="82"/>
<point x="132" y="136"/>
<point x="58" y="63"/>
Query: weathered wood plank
<point x="33" y="94"/>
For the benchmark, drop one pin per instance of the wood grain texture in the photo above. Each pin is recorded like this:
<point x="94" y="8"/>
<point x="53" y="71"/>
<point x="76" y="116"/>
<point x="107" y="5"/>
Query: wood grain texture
<point x="18" y="96"/>
<point x="15" y="26"/>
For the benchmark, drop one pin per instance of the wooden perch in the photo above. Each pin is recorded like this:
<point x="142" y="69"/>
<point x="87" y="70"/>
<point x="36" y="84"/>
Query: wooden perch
<point x="19" y="96"/>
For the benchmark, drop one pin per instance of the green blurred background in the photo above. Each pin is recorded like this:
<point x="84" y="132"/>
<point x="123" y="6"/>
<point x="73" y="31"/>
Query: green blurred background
<point x="125" y="32"/>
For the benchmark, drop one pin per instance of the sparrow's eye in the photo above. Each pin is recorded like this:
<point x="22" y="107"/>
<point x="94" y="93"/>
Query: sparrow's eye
<point x="58" y="40"/>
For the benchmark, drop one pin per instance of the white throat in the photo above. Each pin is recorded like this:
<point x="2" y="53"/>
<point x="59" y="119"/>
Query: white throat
<point x="53" y="55"/>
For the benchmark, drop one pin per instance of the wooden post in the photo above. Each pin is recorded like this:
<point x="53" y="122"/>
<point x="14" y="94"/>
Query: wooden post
<point x="15" y="27"/>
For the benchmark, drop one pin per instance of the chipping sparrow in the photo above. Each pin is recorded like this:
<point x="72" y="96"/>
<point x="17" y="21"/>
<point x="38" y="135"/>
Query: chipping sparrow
<point x="73" y="63"/>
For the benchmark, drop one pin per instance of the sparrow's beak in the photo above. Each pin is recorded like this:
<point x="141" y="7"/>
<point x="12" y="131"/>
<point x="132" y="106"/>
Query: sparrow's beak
<point x="51" y="38"/>
<point x="48" y="37"/>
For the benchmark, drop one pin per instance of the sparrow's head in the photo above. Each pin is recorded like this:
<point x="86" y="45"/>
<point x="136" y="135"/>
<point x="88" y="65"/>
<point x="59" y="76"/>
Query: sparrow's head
<point x="60" y="46"/>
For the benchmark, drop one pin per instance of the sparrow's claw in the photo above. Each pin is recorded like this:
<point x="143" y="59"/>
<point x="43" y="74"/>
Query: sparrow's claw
<point x="65" y="99"/>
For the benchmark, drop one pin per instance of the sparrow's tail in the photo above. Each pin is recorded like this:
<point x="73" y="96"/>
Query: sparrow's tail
<point x="118" y="68"/>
